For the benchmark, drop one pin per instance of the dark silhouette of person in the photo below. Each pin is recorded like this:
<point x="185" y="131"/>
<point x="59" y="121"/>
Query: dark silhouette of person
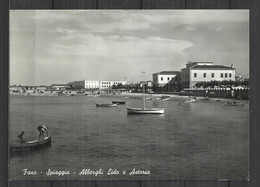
<point x="43" y="130"/>
<point x="21" y="137"/>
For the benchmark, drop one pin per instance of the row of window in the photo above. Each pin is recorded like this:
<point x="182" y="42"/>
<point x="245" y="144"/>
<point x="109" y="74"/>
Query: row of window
<point x="168" y="78"/>
<point x="213" y="75"/>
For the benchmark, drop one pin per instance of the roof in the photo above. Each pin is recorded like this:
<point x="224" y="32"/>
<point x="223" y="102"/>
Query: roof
<point x="200" y="62"/>
<point x="167" y="73"/>
<point x="211" y="67"/>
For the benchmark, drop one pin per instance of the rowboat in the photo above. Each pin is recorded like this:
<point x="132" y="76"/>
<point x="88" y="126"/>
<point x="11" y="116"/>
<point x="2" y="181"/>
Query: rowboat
<point x="31" y="145"/>
<point x="145" y="110"/>
<point x="118" y="102"/>
<point x="190" y="100"/>
<point x="165" y="98"/>
<point x="105" y="105"/>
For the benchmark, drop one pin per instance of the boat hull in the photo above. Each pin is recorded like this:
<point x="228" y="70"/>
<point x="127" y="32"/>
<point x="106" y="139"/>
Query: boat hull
<point x="145" y="111"/>
<point x="106" y="105"/>
<point x="31" y="145"/>
<point x="190" y="101"/>
<point x="118" y="102"/>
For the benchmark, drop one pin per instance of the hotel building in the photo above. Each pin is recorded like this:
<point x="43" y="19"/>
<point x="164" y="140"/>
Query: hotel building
<point x="163" y="77"/>
<point x="205" y="72"/>
<point x="95" y="84"/>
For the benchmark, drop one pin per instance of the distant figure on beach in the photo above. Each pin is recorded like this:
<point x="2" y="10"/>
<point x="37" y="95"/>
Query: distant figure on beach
<point x="21" y="137"/>
<point x="42" y="130"/>
<point x="218" y="100"/>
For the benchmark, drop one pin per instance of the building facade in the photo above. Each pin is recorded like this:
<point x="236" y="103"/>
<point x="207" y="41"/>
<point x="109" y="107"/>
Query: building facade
<point x="108" y="84"/>
<point x="95" y="84"/>
<point x="205" y="72"/>
<point x="89" y="84"/>
<point x="163" y="77"/>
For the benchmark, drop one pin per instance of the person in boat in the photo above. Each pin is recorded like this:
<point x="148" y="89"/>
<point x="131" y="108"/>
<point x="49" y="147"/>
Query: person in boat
<point x="21" y="137"/>
<point x="43" y="130"/>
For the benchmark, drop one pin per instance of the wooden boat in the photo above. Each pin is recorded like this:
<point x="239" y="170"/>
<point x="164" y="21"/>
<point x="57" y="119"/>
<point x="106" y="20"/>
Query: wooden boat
<point x="118" y="102"/>
<point x="105" y="105"/>
<point x="190" y="100"/>
<point x="165" y="98"/>
<point x="145" y="110"/>
<point x="30" y="145"/>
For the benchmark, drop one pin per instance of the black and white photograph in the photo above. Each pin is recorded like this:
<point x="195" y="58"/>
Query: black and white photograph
<point x="129" y="95"/>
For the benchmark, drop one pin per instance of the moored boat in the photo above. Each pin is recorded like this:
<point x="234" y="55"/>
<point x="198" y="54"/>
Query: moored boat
<point x="30" y="145"/>
<point x="190" y="100"/>
<point x="105" y="105"/>
<point x="145" y="110"/>
<point x="118" y="102"/>
<point x="165" y="98"/>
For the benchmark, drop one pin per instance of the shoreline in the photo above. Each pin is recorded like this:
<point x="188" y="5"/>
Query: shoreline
<point x="171" y="95"/>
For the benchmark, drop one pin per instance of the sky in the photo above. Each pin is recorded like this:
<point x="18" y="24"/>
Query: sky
<point x="60" y="46"/>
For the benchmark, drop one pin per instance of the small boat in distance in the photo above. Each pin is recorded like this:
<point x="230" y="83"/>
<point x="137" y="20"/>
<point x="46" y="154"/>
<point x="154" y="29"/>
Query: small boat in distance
<point x="190" y="101"/>
<point x="30" y="145"/>
<point x="118" y="102"/>
<point x="105" y="105"/>
<point x="165" y="98"/>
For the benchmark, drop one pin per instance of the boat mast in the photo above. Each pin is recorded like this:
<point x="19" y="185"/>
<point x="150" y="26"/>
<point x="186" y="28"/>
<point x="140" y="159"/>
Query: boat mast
<point x="143" y="90"/>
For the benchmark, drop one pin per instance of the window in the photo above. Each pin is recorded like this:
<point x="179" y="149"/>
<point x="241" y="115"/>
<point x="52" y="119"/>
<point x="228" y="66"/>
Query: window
<point x="161" y="78"/>
<point x="225" y="74"/>
<point x="212" y="75"/>
<point x="221" y="75"/>
<point x="204" y="74"/>
<point x="195" y="74"/>
<point x="168" y="78"/>
<point x="230" y="75"/>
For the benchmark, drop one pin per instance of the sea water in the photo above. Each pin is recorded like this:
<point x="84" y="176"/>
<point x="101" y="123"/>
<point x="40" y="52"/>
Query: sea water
<point x="201" y="140"/>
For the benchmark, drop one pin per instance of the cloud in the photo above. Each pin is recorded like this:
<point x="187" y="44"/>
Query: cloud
<point x="91" y="42"/>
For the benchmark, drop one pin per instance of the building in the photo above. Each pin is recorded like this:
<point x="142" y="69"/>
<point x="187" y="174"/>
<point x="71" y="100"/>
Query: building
<point x="85" y="84"/>
<point x="91" y="84"/>
<point x="95" y="84"/>
<point x="205" y="72"/>
<point x="59" y="86"/>
<point x="163" y="77"/>
<point x="108" y="84"/>
<point x="173" y="85"/>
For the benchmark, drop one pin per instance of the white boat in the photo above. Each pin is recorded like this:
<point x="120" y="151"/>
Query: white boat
<point x="145" y="110"/>
<point x="190" y="100"/>
<point x="105" y="105"/>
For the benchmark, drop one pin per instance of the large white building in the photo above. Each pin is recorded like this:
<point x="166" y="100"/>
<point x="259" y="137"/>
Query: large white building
<point x="85" y="84"/>
<point x="109" y="84"/>
<point x="205" y="72"/>
<point x="163" y="77"/>
<point x="95" y="84"/>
